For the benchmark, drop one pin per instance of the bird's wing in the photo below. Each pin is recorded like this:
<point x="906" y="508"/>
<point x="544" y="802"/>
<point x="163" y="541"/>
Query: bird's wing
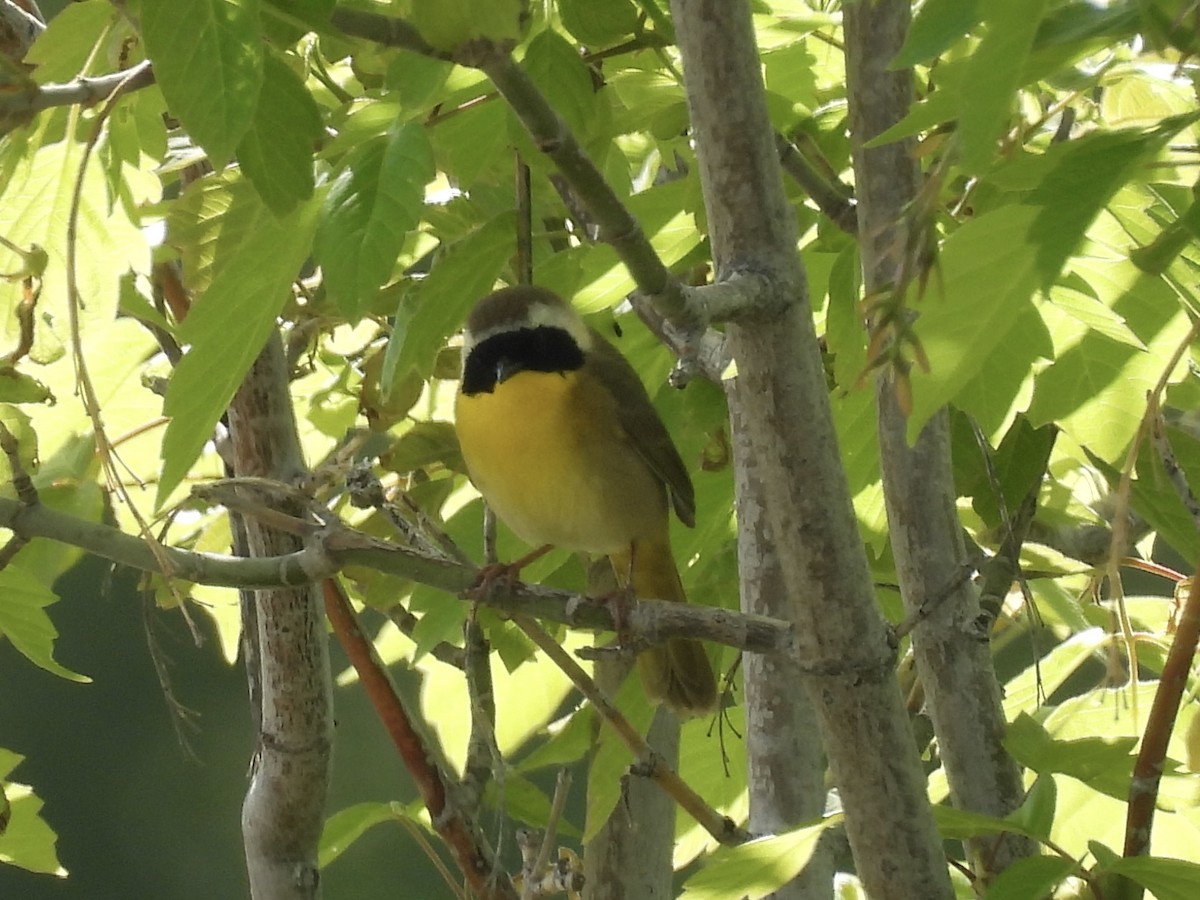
<point x="644" y="427"/>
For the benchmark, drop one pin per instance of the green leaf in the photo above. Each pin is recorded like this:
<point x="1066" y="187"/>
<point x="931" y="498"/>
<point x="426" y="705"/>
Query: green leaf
<point x="664" y="212"/>
<point x="520" y="799"/>
<point x="1079" y="178"/>
<point x="276" y="150"/>
<point x="415" y="78"/>
<point x="35" y="205"/>
<point x="556" y="68"/>
<point x="1027" y="691"/>
<point x="1103" y="763"/>
<point x="231" y="320"/>
<point x="23" y="619"/>
<point x="371" y="207"/>
<point x="598" y="23"/>
<point x="566" y="745"/>
<point x="1157" y="500"/>
<point x="17" y="387"/>
<point x="987" y="276"/>
<point x="1090" y="312"/>
<point x="446" y="26"/>
<point x="436" y="309"/>
<point x="1096" y="388"/>
<point x="208" y="60"/>
<point x="1019" y="463"/>
<point x="468" y="142"/>
<point x="1034" y="876"/>
<point x="757" y="868"/>
<point x="1036" y="812"/>
<point x="937" y="25"/>
<point x="1157" y="256"/>
<point x="347" y="825"/>
<point x="69" y="41"/>
<point x="961" y="824"/>
<point x="993" y="75"/>
<point x="26" y="841"/>
<point x="716" y="769"/>
<point x="1167" y="879"/>
<point x="425" y="443"/>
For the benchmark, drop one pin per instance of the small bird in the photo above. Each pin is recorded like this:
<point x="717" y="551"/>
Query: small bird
<point x="561" y="438"/>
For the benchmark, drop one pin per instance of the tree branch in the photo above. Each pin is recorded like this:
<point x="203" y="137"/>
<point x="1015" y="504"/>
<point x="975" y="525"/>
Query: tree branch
<point x="833" y="199"/>
<point x="19" y="107"/>
<point x="1147" y="771"/>
<point x="448" y="816"/>
<point x="331" y="548"/>
<point x="551" y="135"/>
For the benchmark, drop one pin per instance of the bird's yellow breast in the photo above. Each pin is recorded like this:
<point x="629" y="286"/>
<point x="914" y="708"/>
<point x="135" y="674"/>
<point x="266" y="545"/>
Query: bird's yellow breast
<point x="547" y="452"/>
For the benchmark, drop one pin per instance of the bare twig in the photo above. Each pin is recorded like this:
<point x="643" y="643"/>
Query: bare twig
<point x="646" y="761"/>
<point x="27" y="494"/>
<point x="1147" y="771"/>
<point x="835" y="200"/>
<point x="19" y="107"/>
<point x="1120" y="521"/>
<point x="1158" y="435"/>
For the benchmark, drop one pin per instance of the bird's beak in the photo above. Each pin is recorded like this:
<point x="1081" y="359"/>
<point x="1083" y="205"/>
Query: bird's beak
<point x="506" y="368"/>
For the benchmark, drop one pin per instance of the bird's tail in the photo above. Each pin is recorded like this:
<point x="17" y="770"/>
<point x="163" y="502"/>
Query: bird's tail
<point x="677" y="673"/>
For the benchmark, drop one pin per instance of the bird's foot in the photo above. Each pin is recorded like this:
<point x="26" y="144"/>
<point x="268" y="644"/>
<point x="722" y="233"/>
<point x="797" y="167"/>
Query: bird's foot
<point x="503" y="576"/>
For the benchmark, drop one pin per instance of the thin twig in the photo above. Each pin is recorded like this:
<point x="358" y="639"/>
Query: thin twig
<point x="19" y="107"/>
<point x="27" y="494"/>
<point x="835" y="200"/>
<point x="647" y="762"/>
<point x="91" y="402"/>
<point x="1120" y="521"/>
<point x="1158" y="436"/>
<point x="1147" y="771"/>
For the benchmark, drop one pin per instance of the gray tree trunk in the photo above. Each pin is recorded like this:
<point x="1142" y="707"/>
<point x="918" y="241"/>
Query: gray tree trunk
<point x="785" y="762"/>
<point x="787" y="443"/>
<point x="630" y="857"/>
<point x="284" y="809"/>
<point x="953" y="661"/>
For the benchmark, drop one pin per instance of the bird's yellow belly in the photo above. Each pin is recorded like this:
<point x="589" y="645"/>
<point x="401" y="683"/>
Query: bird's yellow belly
<point x="555" y="468"/>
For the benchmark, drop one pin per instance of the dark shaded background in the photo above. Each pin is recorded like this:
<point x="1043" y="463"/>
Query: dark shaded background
<point x="138" y="815"/>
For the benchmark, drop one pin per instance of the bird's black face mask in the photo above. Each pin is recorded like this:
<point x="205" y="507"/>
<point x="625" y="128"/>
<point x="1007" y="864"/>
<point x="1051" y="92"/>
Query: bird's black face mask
<point x="541" y="349"/>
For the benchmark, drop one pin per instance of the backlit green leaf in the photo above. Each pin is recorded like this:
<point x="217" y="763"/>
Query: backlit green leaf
<point x="276" y="150"/>
<point x="1167" y="879"/>
<point x="436" y="309"/>
<point x="370" y="208"/>
<point x="209" y="62"/>
<point x="757" y="868"/>
<point x="936" y="25"/>
<point x="23" y="619"/>
<point x="993" y="74"/>
<point x="230" y="322"/>
<point x="597" y="23"/>
<point x="27" y="841"/>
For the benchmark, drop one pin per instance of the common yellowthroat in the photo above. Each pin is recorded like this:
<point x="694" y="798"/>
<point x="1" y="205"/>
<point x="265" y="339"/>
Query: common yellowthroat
<point x="561" y="438"/>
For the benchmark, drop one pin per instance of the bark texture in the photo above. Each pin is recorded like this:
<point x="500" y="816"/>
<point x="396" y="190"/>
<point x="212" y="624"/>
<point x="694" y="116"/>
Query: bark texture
<point x="786" y="442"/>
<point x="630" y="857"/>
<point x="953" y="659"/>
<point x="785" y="762"/>
<point x="283" y="812"/>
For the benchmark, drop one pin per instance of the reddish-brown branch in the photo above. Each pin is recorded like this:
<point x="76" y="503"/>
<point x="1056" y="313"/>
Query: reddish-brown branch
<point x="1147" y="771"/>
<point x="474" y="858"/>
